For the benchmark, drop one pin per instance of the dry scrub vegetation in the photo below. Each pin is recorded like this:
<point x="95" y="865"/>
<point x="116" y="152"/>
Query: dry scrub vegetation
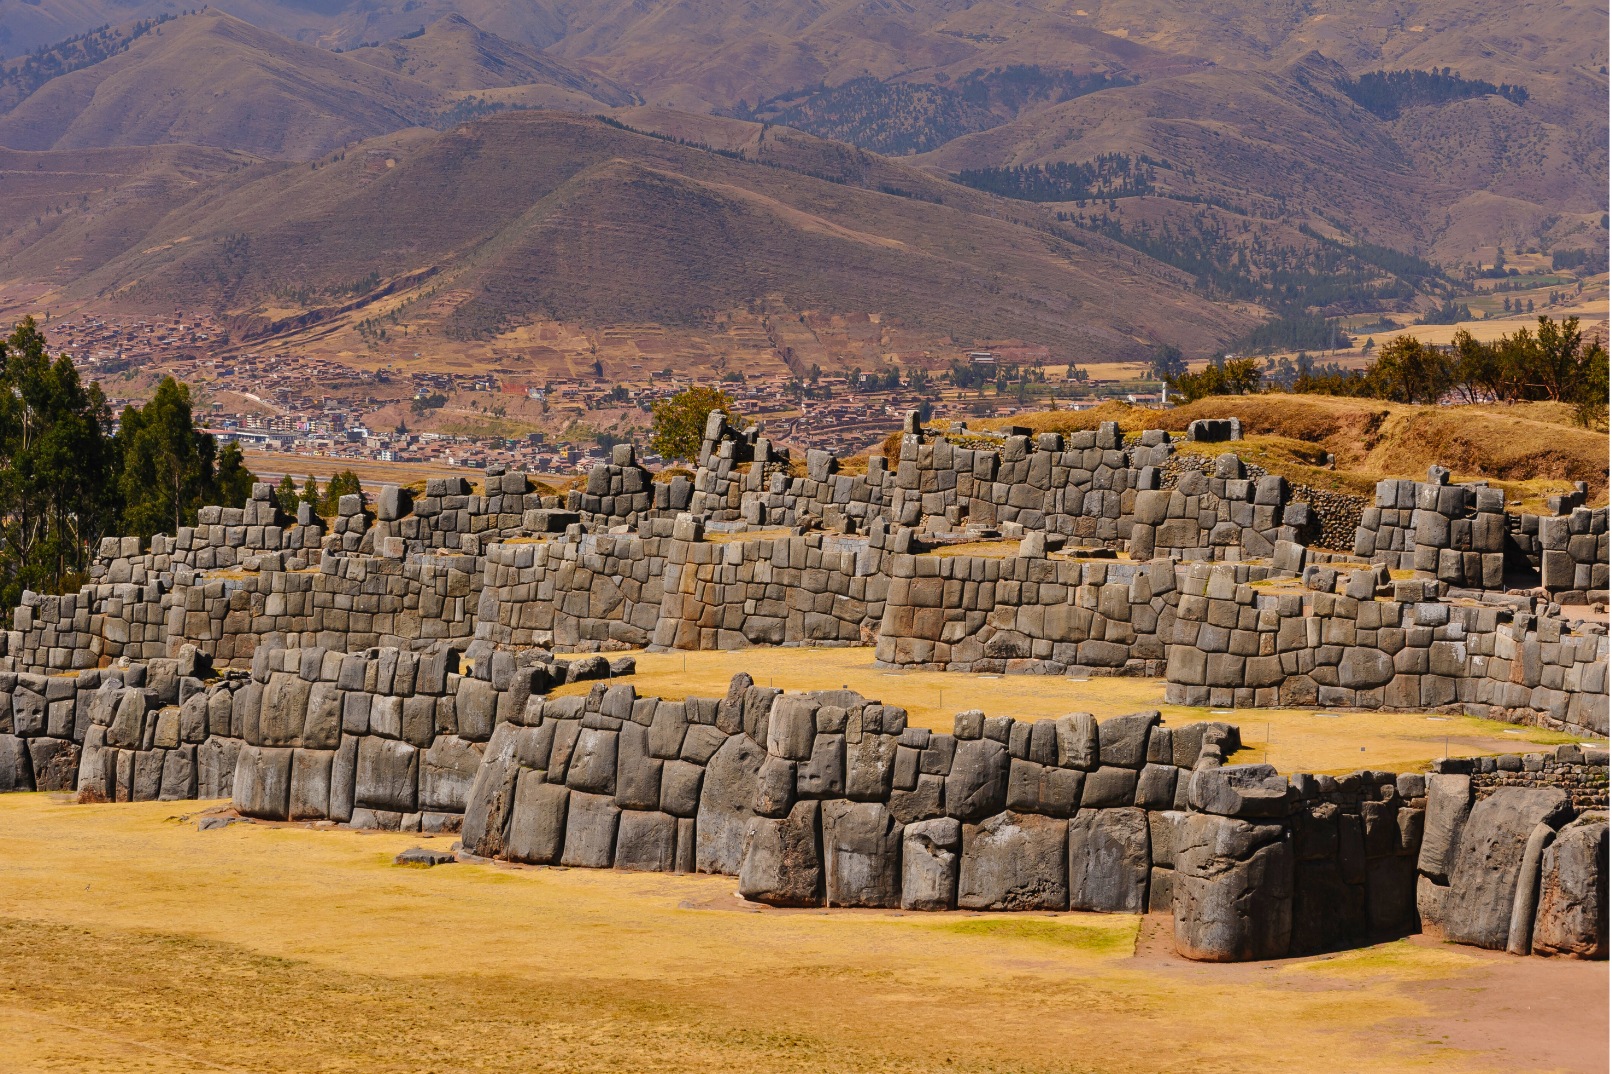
<point x="1294" y="740"/>
<point x="132" y="942"/>
<point x="1528" y="448"/>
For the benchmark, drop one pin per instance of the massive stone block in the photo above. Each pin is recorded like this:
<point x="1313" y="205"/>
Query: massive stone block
<point x="263" y="782"/>
<point x="536" y="820"/>
<point x="727" y="805"/>
<point x="783" y="860"/>
<point x="861" y="854"/>
<point x="1483" y="884"/>
<point x="976" y="787"/>
<point x="1572" y="913"/>
<point x="929" y="861"/>
<point x="387" y="777"/>
<point x="1233" y="897"/>
<point x="647" y="840"/>
<point x="1014" y="861"/>
<point x="590" y="831"/>
<point x="1109" y="860"/>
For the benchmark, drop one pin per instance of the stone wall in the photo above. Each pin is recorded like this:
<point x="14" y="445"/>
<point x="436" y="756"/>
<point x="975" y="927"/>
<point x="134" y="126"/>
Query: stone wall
<point x="570" y="593"/>
<point x="795" y="590"/>
<point x="830" y="799"/>
<point x="1026" y="614"/>
<point x="1358" y="640"/>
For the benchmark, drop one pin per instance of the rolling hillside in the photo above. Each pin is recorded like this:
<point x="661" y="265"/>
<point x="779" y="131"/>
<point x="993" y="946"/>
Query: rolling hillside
<point x="1143" y="170"/>
<point x="529" y="216"/>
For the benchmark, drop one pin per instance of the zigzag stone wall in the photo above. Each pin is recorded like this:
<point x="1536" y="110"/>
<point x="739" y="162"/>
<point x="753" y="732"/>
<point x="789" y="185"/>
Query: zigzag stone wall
<point x="395" y="670"/>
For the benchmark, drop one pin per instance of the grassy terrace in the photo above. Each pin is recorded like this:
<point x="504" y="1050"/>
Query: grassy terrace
<point x="1294" y="740"/>
<point x="134" y="943"/>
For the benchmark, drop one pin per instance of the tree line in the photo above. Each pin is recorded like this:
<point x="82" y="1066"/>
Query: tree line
<point x="1386" y="93"/>
<point x="1555" y="362"/>
<point x="70" y="474"/>
<point x="1108" y="176"/>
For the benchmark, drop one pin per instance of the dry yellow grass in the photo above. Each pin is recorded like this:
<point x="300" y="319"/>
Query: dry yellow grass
<point x="134" y="943"/>
<point x="1294" y="740"/>
<point x="1529" y="449"/>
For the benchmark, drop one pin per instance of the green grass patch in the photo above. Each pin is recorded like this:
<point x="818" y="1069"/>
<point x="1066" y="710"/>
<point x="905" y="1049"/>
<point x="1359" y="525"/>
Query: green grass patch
<point x="1115" y="936"/>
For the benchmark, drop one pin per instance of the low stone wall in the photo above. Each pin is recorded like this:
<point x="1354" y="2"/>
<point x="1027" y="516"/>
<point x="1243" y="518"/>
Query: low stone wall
<point x="569" y="593"/>
<point x="1234" y="645"/>
<point x="1026" y="614"/>
<point x="381" y="739"/>
<point x="807" y="589"/>
<point x="829" y="799"/>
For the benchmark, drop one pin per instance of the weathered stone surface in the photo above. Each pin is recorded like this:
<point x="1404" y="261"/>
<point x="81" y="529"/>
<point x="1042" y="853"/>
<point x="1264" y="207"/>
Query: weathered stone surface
<point x="1483" y="882"/>
<point x="929" y="864"/>
<point x="263" y="782"/>
<point x="310" y="784"/>
<point x="54" y="762"/>
<point x="861" y="855"/>
<point x="590" y="831"/>
<point x="1014" y="861"/>
<point x="1242" y="790"/>
<point x="1449" y="802"/>
<point x="536" y="820"/>
<point x="387" y="775"/>
<point x="976" y="787"/>
<point x="647" y="840"/>
<point x="783" y="861"/>
<point x="447" y="770"/>
<point x="1122" y="740"/>
<point x="1077" y="740"/>
<point x="1109" y="860"/>
<point x="1233" y="889"/>
<point x="727" y="804"/>
<point x="492" y="793"/>
<point x="1571" y="918"/>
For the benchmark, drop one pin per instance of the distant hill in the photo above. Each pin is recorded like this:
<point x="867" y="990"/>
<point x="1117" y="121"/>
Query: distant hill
<point x="539" y="215"/>
<point x="211" y="79"/>
<point x="455" y="54"/>
<point x="1307" y="161"/>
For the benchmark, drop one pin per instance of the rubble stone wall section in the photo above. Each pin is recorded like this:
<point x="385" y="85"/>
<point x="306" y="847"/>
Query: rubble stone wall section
<point x="1234" y="645"/>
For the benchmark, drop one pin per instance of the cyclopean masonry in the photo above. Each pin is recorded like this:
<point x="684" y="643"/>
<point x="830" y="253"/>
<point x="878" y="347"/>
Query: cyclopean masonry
<point x="393" y="670"/>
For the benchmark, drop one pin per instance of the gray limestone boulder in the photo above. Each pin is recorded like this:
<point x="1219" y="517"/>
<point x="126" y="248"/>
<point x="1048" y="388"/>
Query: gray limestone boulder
<point x="861" y="854"/>
<point x="262" y="785"/>
<point x="680" y="788"/>
<point x="492" y="793"/>
<point x="593" y="763"/>
<point x="536" y="820"/>
<point x="1109" y="860"/>
<point x="388" y="775"/>
<point x="1477" y="909"/>
<point x="1571" y="918"/>
<point x="310" y="784"/>
<point x="727" y="805"/>
<point x="647" y="840"/>
<point x="1122" y="740"/>
<point x="869" y="765"/>
<point x="590" y="831"/>
<point x="976" y="787"/>
<point x="285" y="707"/>
<point x="929" y="863"/>
<point x="1449" y="802"/>
<point x="783" y="860"/>
<point x="447" y="770"/>
<point x="1014" y="861"/>
<point x="1076" y="740"/>
<point x="1242" y="790"/>
<point x="54" y="762"/>
<point x="1233" y="889"/>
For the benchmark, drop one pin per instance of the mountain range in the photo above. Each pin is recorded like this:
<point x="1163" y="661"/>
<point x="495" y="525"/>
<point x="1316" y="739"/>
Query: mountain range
<point x="1095" y="179"/>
